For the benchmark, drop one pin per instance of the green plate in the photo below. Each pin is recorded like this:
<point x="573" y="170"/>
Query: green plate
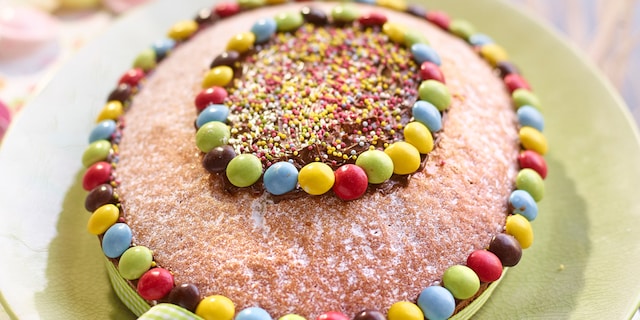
<point x="582" y="265"/>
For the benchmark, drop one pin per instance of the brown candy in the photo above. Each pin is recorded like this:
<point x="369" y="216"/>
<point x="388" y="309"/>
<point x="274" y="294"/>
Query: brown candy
<point x="314" y="16"/>
<point x="121" y="93"/>
<point x="507" y="249"/>
<point x="227" y="58"/>
<point x="206" y="16"/>
<point x="369" y="315"/>
<point x="218" y="158"/>
<point x="99" y="196"/>
<point x="185" y="295"/>
<point x="506" y="68"/>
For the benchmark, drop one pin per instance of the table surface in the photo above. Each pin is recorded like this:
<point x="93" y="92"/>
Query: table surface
<point x="607" y="32"/>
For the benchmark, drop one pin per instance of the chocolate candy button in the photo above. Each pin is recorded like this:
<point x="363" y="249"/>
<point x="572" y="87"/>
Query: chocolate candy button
<point x="185" y="295"/>
<point x="314" y="16"/>
<point x="218" y="158"/>
<point x="369" y="315"/>
<point x="99" y="196"/>
<point x="507" y="248"/>
<point x="121" y="93"/>
<point x="227" y="58"/>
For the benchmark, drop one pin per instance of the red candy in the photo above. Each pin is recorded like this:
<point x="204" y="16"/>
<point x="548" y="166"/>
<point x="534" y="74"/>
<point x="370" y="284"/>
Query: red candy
<point x="515" y="81"/>
<point x="226" y="9"/>
<point x="431" y="71"/>
<point x="372" y="19"/>
<point x="155" y="284"/>
<point x="485" y="264"/>
<point x="532" y="160"/>
<point x="439" y="18"/>
<point x="351" y="182"/>
<point x="97" y="174"/>
<point x="213" y="95"/>
<point x="332" y="315"/>
<point x="132" y="77"/>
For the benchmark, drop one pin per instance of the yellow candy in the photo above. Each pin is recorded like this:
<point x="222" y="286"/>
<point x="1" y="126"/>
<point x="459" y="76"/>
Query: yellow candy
<point x="111" y="111"/>
<point x="292" y="316"/>
<point x="316" y="178"/>
<point x="182" y="30"/>
<point x="241" y="42"/>
<point x="493" y="53"/>
<point x="276" y="1"/>
<point x="103" y="218"/>
<point x="405" y="310"/>
<point x="418" y="136"/>
<point x="398" y="5"/>
<point x="405" y="157"/>
<point x="394" y="31"/>
<point x="532" y="139"/>
<point x="218" y="76"/>
<point x="216" y="307"/>
<point x="520" y="228"/>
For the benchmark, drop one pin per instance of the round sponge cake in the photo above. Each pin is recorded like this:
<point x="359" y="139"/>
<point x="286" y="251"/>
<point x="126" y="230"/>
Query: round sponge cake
<point x="312" y="254"/>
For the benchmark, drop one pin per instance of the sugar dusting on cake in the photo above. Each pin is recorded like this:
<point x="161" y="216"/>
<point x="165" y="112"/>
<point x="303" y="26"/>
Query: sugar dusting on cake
<point x="316" y="253"/>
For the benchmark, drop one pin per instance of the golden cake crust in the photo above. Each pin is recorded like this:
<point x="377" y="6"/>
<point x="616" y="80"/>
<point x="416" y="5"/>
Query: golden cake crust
<point x="316" y="253"/>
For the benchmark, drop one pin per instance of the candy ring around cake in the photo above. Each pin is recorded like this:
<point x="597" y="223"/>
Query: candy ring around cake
<point x="406" y="246"/>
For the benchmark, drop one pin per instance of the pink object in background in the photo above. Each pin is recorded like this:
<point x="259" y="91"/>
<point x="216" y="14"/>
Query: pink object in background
<point x="5" y="119"/>
<point x="24" y="30"/>
<point x="119" y="6"/>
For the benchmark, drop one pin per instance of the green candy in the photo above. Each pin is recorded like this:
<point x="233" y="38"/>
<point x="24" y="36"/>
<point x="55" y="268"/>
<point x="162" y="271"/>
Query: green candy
<point x="412" y="37"/>
<point x="135" y="262"/>
<point x="376" y="164"/>
<point x="289" y="21"/>
<point x="436" y="93"/>
<point x="523" y="97"/>
<point x="461" y="281"/>
<point x="244" y="170"/>
<point x="251" y="4"/>
<point x="345" y="13"/>
<point x="462" y="28"/>
<point x="212" y="134"/>
<point x="96" y="151"/>
<point x="146" y="60"/>
<point x="530" y="181"/>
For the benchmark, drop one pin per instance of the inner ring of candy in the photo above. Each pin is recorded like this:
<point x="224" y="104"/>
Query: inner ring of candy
<point x="345" y="144"/>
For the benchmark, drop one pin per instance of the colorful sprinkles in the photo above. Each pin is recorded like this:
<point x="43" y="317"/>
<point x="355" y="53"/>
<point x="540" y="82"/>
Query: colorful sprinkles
<point x="355" y="92"/>
<point x="437" y="301"/>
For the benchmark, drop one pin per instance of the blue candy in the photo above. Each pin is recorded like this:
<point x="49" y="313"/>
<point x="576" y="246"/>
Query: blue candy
<point x="423" y="52"/>
<point x="102" y="131"/>
<point x="427" y="114"/>
<point x="253" y="313"/>
<point x="524" y="204"/>
<point x="280" y="178"/>
<point x="530" y="117"/>
<point x="436" y="303"/>
<point x="116" y="240"/>
<point x="263" y="29"/>
<point x="366" y="1"/>
<point x="479" y="39"/>
<point x="162" y="47"/>
<point x="214" y="112"/>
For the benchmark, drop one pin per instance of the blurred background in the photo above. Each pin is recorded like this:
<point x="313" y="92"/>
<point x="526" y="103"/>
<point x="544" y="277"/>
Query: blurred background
<point x="37" y="36"/>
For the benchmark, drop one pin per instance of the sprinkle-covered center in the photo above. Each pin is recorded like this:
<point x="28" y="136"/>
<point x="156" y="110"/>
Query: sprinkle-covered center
<point x="322" y="94"/>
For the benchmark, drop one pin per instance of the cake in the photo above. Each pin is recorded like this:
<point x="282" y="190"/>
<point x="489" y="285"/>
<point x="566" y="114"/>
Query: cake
<point x="315" y="160"/>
